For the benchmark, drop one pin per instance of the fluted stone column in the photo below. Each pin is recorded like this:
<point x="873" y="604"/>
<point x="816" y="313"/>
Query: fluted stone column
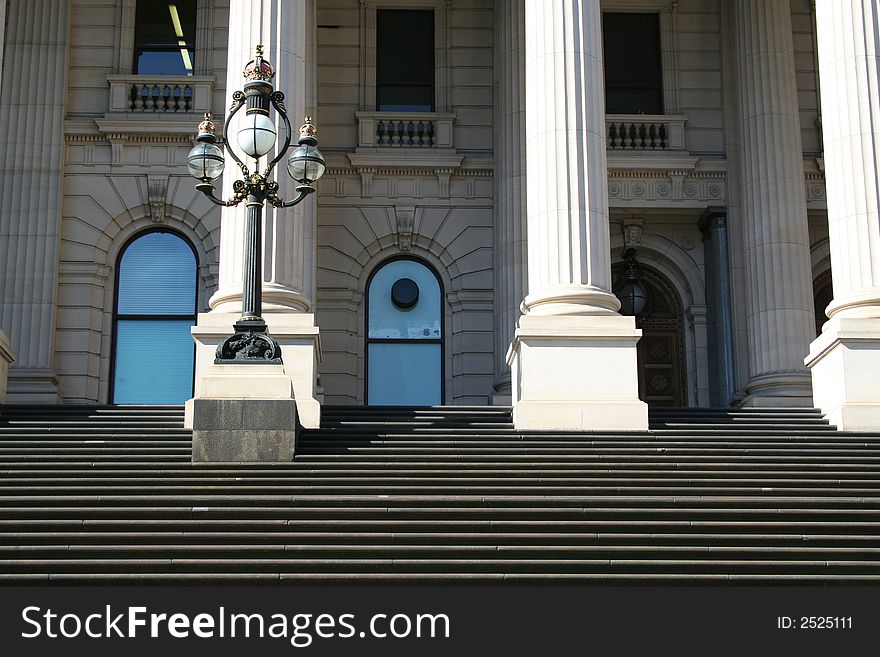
<point x="510" y="208"/>
<point x="32" y="147"/>
<point x="289" y="254"/>
<point x="845" y="358"/>
<point x="777" y="245"/>
<point x="288" y="261"/>
<point x="573" y="357"/>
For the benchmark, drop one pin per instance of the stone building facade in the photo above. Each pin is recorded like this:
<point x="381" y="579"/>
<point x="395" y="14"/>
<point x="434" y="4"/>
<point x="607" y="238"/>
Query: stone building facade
<point x="515" y="186"/>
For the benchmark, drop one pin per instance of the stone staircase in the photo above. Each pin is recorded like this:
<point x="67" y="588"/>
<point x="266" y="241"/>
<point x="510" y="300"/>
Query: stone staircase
<point x="450" y="494"/>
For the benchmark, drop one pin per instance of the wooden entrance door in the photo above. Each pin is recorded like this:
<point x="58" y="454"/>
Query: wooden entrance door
<point x="661" y="348"/>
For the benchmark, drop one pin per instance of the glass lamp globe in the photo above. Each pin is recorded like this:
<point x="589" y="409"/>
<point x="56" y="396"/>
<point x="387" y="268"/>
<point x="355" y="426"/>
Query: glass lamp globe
<point x="632" y="299"/>
<point x="256" y="134"/>
<point x="306" y="164"/>
<point x="205" y="162"/>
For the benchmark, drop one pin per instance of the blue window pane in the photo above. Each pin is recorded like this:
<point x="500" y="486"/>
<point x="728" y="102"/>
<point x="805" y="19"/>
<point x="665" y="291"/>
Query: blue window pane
<point x="157" y="276"/>
<point x="404" y="374"/>
<point x="154" y="361"/>
<point x="173" y="62"/>
<point x="422" y="321"/>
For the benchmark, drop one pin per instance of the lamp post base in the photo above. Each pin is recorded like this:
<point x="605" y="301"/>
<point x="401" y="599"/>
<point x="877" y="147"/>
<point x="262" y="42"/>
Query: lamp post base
<point x="251" y="344"/>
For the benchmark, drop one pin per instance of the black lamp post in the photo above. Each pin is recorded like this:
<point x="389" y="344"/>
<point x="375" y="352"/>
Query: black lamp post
<point x="256" y="136"/>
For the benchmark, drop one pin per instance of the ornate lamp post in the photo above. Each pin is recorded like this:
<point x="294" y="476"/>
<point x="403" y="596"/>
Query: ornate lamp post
<point x="256" y="136"/>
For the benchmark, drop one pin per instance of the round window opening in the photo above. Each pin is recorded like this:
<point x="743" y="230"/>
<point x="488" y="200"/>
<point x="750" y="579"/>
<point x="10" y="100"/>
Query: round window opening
<point x="405" y="293"/>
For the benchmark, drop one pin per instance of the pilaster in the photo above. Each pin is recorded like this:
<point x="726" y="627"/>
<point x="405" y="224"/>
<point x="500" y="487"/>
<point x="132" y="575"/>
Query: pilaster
<point x="31" y="126"/>
<point x="573" y="358"/>
<point x="845" y="358"/>
<point x="776" y="237"/>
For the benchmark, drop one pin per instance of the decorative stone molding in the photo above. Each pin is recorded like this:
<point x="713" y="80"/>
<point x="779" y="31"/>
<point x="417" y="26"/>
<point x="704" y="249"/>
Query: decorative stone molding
<point x="632" y="232"/>
<point x="394" y="165"/>
<point x="674" y="187"/>
<point x="405" y="217"/>
<point x="157" y="186"/>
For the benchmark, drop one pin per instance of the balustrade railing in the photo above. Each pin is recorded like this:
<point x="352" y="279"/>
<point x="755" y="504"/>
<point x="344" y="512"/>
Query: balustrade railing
<point x="405" y="130"/>
<point x="638" y="132"/>
<point x="160" y="94"/>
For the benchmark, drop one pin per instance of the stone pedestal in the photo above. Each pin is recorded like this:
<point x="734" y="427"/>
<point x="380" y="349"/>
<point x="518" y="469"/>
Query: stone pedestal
<point x="845" y="364"/>
<point x="576" y="373"/>
<point x="6" y="358"/>
<point x="300" y="353"/>
<point x="243" y="413"/>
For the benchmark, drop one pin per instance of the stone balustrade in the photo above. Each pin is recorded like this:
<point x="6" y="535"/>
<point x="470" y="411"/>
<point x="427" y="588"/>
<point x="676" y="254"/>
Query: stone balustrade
<point x="405" y="130"/>
<point x="645" y="132"/>
<point x="152" y="94"/>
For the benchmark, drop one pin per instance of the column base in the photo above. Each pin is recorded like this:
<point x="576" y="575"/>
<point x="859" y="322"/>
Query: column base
<point x="779" y="391"/>
<point x="502" y="395"/>
<point x="844" y="361"/>
<point x="300" y="353"/>
<point x="576" y="373"/>
<point x="32" y="386"/>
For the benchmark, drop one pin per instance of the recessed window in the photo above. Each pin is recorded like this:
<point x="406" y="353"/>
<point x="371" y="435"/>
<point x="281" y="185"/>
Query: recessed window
<point x="405" y="60"/>
<point x="164" y="37"/>
<point x="633" y="63"/>
<point x="154" y="351"/>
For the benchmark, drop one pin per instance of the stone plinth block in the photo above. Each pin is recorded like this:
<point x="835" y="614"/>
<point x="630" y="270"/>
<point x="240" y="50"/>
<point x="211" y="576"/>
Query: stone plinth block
<point x="845" y="364"/>
<point x="300" y="353"/>
<point x="576" y="373"/>
<point x="237" y="430"/>
<point x="6" y="357"/>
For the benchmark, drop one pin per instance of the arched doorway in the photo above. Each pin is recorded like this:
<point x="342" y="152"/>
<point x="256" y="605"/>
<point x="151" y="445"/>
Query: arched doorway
<point x="155" y="307"/>
<point x="823" y="294"/>
<point x="404" y="335"/>
<point x="661" y="348"/>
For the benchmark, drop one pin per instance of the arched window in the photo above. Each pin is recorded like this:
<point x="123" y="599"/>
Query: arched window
<point x="153" y="357"/>
<point x="404" y="335"/>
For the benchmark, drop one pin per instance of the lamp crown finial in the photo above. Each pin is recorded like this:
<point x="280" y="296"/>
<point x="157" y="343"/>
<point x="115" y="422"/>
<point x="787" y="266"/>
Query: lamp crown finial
<point x="259" y="68"/>
<point x="308" y="128"/>
<point x="206" y="127"/>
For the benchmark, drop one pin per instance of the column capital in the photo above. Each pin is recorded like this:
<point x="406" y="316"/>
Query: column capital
<point x="712" y="218"/>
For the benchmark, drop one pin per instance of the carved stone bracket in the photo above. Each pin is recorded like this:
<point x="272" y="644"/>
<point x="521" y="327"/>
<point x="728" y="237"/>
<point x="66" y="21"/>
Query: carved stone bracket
<point x="157" y="190"/>
<point x="632" y="233"/>
<point x="405" y="219"/>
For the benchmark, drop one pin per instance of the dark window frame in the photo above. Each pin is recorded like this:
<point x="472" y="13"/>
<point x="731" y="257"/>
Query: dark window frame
<point x="152" y="317"/>
<point x="368" y="340"/>
<point x="655" y="105"/>
<point x="139" y="46"/>
<point x="429" y="82"/>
